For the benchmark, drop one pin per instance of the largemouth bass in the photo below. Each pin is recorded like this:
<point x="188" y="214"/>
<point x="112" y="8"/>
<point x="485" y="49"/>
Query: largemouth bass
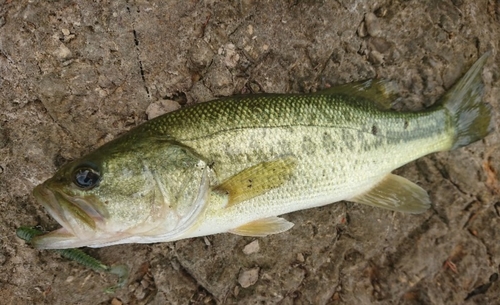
<point x="236" y="164"/>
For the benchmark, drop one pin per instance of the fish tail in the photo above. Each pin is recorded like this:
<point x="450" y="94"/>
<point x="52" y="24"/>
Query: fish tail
<point x="471" y="118"/>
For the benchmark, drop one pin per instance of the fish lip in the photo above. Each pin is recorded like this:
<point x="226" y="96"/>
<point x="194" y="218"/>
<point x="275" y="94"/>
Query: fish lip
<point x="47" y="199"/>
<point x="61" y="206"/>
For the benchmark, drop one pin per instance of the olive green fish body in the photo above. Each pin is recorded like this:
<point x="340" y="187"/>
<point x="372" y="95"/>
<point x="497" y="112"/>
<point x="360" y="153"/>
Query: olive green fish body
<point x="342" y="146"/>
<point x="235" y="164"/>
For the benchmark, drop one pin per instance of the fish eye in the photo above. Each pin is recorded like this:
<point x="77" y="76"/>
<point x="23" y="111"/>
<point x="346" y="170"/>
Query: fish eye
<point x="86" y="178"/>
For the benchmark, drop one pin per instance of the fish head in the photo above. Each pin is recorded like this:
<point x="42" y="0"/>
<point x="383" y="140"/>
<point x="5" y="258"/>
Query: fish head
<point x="144" y="190"/>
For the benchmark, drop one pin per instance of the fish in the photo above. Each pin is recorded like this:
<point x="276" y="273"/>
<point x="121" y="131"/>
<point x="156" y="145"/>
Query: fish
<point x="236" y="164"/>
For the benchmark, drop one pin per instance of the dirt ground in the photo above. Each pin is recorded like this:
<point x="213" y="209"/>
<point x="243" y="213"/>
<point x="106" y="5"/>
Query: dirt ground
<point x="75" y="74"/>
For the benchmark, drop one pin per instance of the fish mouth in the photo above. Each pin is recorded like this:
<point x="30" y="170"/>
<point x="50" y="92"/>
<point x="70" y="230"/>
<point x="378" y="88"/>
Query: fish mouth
<point x="78" y="216"/>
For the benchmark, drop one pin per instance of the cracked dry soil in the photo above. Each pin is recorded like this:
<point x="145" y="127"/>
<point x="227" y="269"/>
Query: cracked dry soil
<point x="75" y="74"/>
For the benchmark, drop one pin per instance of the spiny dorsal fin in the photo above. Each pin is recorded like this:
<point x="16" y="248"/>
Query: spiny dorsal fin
<point x="257" y="180"/>
<point x="383" y="92"/>
<point x="263" y="227"/>
<point x="396" y="193"/>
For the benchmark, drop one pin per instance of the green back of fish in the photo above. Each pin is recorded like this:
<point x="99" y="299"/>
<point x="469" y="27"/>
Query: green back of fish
<point x="339" y="111"/>
<point x="330" y="134"/>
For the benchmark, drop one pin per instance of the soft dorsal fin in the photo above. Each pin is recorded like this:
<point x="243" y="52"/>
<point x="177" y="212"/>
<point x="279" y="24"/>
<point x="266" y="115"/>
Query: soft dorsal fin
<point x="263" y="227"/>
<point x="383" y="92"/>
<point x="396" y="193"/>
<point x="257" y="180"/>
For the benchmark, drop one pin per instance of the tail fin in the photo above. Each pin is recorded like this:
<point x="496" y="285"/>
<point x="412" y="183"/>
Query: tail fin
<point x="470" y="116"/>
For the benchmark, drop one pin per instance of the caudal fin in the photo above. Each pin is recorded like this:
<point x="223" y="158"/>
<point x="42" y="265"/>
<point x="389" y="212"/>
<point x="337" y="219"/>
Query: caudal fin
<point x="471" y="117"/>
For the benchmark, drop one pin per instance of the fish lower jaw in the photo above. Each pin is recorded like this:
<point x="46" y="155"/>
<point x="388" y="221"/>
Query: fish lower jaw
<point x="64" y="239"/>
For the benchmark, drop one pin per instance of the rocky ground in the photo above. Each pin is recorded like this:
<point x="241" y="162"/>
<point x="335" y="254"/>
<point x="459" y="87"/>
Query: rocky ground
<point x="75" y="74"/>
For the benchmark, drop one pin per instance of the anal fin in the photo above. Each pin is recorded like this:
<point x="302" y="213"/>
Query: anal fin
<point x="397" y="194"/>
<point x="263" y="227"/>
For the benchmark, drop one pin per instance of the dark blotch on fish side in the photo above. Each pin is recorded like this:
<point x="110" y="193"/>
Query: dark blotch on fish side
<point x="374" y="130"/>
<point x="405" y="126"/>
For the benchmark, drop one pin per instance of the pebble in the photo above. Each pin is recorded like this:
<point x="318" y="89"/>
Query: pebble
<point x="379" y="44"/>
<point x="362" y="32"/>
<point x="376" y="57"/>
<point x="252" y="247"/>
<point x="161" y="107"/>
<point x="300" y="257"/>
<point x="140" y="293"/>
<point x="207" y="241"/>
<point x="219" y="80"/>
<point x="116" y="301"/>
<point x="200" y="55"/>
<point x="381" y="11"/>
<point x="200" y="93"/>
<point x="231" y="56"/>
<point x="63" y="53"/>
<point x="248" y="277"/>
<point x="372" y="25"/>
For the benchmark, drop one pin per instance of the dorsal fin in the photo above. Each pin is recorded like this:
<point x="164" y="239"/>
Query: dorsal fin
<point x="383" y="92"/>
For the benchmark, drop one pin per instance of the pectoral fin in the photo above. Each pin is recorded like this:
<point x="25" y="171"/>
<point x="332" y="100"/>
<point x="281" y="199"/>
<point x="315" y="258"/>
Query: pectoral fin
<point x="396" y="193"/>
<point x="257" y="180"/>
<point x="263" y="227"/>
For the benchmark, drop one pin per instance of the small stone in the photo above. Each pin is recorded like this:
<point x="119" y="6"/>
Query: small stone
<point x="115" y="301"/>
<point x="248" y="277"/>
<point x="300" y="257"/>
<point x="231" y="57"/>
<point x="65" y="32"/>
<point x="362" y="32"/>
<point x="63" y="53"/>
<point x="372" y="25"/>
<point x="161" y="107"/>
<point x="145" y="283"/>
<point x="200" y="55"/>
<point x="200" y="93"/>
<point x="379" y="44"/>
<point x="381" y="12"/>
<point x="376" y="57"/>
<point x="140" y="293"/>
<point x="69" y="37"/>
<point x="252" y="247"/>
<point x="207" y="241"/>
<point x="219" y="80"/>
